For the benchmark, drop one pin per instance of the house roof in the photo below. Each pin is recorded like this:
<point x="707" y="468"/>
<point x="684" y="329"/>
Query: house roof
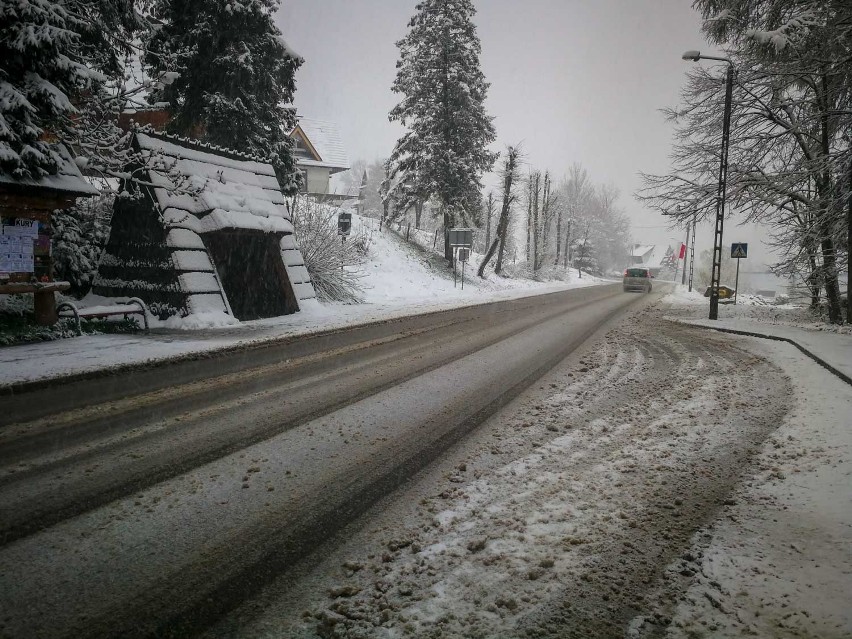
<point x="68" y="179"/>
<point x="640" y="250"/>
<point x="203" y="190"/>
<point x="324" y="138"/>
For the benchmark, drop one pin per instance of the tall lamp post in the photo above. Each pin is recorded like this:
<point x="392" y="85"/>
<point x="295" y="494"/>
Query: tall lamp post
<point x="695" y="56"/>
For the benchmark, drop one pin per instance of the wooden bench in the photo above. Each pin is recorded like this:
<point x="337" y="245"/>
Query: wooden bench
<point x="44" y="299"/>
<point x="134" y="306"/>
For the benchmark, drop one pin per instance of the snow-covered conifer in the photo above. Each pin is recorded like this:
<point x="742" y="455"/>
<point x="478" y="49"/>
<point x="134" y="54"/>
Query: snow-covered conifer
<point x="444" y="151"/>
<point x="42" y="69"/>
<point x="236" y="76"/>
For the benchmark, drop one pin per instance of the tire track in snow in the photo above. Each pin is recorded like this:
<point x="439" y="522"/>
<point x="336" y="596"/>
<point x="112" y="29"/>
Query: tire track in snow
<point x="623" y="462"/>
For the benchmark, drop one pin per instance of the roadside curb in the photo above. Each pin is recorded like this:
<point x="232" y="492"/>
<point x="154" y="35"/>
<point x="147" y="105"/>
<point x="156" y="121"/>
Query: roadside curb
<point x="843" y="376"/>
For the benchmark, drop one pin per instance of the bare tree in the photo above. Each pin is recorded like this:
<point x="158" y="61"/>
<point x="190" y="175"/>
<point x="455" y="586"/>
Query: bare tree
<point x="489" y="213"/>
<point x="509" y="176"/>
<point x="576" y="191"/>
<point x="790" y="142"/>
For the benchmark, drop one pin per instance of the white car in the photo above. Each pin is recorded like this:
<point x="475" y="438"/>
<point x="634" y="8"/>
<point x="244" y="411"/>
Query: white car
<point x="638" y="278"/>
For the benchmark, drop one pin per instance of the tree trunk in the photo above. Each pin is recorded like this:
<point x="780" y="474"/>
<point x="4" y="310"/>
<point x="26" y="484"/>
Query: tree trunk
<point x="503" y="226"/>
<point x="448" y="250"/>
<point x="824" y="187"/>
<point x="813" y="280"/>
<point x="849" y="249"/>
<point x="418" y="210"/>
<point x="558" y="235"/>
<point x="545" y="219"/>
<point x="568" y="244"/>
<point x="832" y="289"/>
<point x="488" y="256"/>
<point x="536" y="222"/>
<point x="529" y="218"/>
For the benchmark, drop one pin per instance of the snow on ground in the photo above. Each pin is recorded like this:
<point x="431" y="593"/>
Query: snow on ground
<point x="398" y="281"/>
<point x="830" y="343"/>
<point x="755" y="309"/>
<point x="779" y="560"/>
<point x="564" y="509"/>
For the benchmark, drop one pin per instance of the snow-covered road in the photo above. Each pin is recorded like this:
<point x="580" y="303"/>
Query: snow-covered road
<point x="565" y="515"/>
<point x="156" y="511"/>
<point x="661" y="480"/>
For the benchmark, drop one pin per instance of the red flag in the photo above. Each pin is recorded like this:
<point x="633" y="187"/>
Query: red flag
<point x="682" y="251"/>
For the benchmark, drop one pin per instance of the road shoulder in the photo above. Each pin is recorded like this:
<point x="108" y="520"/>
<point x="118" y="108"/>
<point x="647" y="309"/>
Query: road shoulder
<point x="777" y="561"/>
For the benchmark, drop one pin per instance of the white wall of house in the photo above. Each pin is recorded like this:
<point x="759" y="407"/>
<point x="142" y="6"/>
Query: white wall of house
<point x="317" y="181"/>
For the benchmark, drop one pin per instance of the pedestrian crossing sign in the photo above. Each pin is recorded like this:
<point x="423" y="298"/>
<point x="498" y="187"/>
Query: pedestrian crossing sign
<point x="739" y="251"/>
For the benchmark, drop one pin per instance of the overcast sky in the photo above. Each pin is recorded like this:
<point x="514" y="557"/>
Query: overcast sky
<point x="573" y="80"/>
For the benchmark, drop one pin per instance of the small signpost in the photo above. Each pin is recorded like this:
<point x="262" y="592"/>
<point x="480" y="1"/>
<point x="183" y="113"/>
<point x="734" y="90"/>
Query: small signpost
<point x="344" y="227"/>
<point x="344" y="223"/>
<point x="460" y="239"/>
<point x="464" y="256"/>
<point x="739" y="251"/>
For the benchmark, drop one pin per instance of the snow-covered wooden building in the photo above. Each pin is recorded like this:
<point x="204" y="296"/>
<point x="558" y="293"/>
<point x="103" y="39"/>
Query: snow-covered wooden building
<point x="203" y="229"/>
<point x="319" y="154"/>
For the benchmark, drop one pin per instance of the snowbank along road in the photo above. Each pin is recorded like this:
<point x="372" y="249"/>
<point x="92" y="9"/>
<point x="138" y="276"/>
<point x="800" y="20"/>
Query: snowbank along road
<point x="157" y="513"/>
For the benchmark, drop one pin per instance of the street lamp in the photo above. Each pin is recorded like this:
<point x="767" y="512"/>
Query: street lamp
<point x="695" y="56"/>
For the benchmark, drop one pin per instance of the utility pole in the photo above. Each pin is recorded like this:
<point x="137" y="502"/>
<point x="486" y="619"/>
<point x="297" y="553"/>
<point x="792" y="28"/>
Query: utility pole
<point x="720" y="203"/>
<point x="683" y="275"/>
<point x="716" y="275"/>
<point x="692" y="255"/>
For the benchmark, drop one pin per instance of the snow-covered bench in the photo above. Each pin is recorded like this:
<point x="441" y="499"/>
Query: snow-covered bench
<point x="134" y="306"/>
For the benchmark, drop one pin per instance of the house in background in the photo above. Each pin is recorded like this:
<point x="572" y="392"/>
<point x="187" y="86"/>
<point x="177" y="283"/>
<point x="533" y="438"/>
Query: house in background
<point x="642" y="255"/>
<point x="650" y="255"/>
<point x="319" y="154"/>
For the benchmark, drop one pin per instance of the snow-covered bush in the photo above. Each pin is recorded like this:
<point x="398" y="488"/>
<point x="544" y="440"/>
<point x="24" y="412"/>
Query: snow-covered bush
<point x="16" y="304"/>
<point x="79" y="236"/>
<point x="332" y="262"/>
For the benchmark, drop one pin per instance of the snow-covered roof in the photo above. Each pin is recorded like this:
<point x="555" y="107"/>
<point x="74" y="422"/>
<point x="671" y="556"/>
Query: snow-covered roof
<point x="640" y="250"/>
<point x="205" y="191"/>
<point x="67" y="180"/>
<point x="325" y="139"/>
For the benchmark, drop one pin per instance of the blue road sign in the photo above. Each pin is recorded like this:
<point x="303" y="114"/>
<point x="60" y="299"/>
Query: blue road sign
<point x="739" y="251"/>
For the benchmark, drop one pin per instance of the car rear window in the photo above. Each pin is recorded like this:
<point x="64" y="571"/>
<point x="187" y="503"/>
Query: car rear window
<point x="637" y="272"/>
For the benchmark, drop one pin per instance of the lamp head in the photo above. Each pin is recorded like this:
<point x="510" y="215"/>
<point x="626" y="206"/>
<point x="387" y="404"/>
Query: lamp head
<point x="694" y="56"/>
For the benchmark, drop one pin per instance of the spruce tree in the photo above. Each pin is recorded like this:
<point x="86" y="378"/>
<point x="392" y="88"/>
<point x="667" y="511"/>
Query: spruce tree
<point x="50" y="54"/>
<point x="236" y="76"/>
<point x="444" y="151"/>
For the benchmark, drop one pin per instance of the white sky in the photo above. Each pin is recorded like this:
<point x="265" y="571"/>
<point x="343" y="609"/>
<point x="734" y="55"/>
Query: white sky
<point x="573" y="80"/>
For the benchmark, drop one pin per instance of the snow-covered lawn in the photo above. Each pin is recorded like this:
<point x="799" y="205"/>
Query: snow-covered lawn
<point x="397" y="281"/>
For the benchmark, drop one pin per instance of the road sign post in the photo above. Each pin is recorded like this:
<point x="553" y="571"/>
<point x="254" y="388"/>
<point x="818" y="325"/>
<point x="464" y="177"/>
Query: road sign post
<point x="460" y="239"/>
<point x="344" y="223"/>
<point x="464" y="256"/>
<point x="739" y="251"/>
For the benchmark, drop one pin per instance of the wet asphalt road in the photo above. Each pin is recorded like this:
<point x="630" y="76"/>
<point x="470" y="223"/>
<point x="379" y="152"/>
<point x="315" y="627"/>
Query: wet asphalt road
<point x="151" y="502"/>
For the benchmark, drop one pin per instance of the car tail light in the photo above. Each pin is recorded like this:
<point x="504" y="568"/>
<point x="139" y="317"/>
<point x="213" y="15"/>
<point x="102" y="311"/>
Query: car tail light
<point x="625" y="272"/>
